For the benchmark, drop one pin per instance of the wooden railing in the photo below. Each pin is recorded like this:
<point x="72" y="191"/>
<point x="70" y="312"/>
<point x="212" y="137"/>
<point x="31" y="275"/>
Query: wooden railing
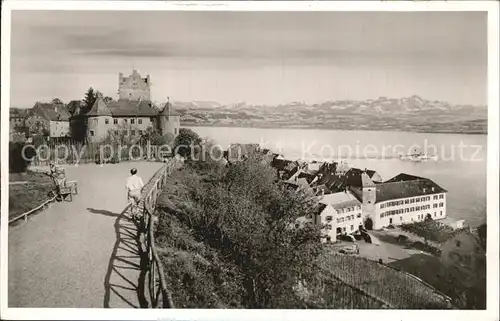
<point x="36" y="209"/>
<point x="159" y="295"/>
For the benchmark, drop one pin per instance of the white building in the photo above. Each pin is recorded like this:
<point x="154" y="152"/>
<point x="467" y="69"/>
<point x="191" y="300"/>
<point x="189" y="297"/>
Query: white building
<point x="342" y="214"/>
<point x="406" y="199"/>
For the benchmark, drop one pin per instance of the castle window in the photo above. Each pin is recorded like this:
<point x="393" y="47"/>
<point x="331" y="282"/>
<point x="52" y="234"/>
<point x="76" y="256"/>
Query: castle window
<point x="140" y="132"/>
<point x="96" y="121"/>
<point x="132" y="121"/>
<point x="106" y="121"/>
<point x="115" y="121"/>
<point x="139" y="121"/>
<point x="132" y="132"/>
<point x="91" y="133"/>
<point x="125" y="120"/>
<point x="116" y="132"/>
<point x="175" y="131"/>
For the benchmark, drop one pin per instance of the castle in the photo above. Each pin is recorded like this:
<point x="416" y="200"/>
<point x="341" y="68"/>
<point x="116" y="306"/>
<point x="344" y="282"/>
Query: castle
<point x="132" y="114"/>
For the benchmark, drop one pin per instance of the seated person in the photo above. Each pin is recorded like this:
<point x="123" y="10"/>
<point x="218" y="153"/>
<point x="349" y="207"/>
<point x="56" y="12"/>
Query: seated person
<point x="58" y="174"/>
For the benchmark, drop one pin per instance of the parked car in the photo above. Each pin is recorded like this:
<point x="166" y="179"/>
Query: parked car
<point x="347" y="237"/>
<point x="357" y="235"/>
<point x="353" y="249"/>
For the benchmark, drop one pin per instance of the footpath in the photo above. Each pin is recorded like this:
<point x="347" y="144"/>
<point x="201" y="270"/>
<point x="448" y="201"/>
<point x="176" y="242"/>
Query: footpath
<point x="80" y="254"/>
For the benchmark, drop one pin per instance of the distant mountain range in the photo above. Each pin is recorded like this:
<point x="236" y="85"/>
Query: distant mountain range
<point x="410" y="114"/>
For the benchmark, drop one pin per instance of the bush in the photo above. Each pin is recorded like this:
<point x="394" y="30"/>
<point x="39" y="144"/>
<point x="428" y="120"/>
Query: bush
<point x="430" y="230"/>
<point x="184" y="141"/>
<point x="236" y="229"/>
<point x="18" y="163"/>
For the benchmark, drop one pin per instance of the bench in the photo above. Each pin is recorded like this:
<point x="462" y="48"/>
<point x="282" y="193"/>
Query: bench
<point x="68" y="190"/>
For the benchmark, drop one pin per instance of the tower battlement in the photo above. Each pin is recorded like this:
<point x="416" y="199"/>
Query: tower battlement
<point x="134" y="87"/>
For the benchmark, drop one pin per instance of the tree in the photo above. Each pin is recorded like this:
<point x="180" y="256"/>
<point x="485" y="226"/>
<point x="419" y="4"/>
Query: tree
<point x="186" y="142"/>
<point x="243" y="215"/>
<point x="19" y="158"/>
<point x="57" y="101"/>
<point x="78" y="125"/>
<point x="107" y="99"/>
<point x="89" y="100"/>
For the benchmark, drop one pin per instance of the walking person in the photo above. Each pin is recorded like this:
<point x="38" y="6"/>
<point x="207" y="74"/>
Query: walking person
<point x="134" y="191"/>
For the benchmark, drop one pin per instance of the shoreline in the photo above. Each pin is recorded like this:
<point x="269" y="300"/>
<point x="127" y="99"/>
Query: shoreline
<point x="183" y="124"/>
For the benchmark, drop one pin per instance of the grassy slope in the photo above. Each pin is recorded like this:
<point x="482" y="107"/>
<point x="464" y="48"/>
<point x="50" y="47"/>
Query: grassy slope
<point x="24" y="197"/>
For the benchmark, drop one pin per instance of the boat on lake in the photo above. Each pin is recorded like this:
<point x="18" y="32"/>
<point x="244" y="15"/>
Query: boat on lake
<point x="417" y="156"/>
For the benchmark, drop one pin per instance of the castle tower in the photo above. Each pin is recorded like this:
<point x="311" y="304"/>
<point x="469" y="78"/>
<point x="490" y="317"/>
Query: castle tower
<point x="134" y="87"/>
<point x="169" y="120"/>
<point x="369" y="194"/>
<point x="99" y="118"/>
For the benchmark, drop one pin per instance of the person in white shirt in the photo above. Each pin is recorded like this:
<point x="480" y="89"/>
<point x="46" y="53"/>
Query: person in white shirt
<point x="134" y="190"/>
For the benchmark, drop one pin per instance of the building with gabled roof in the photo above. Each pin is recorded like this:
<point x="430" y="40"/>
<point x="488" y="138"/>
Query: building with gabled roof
<point x="341" y="213"/>
<point x="50" y="119"/>
<point x="132" y="114"/>
<point x="17" y="117"/>
<point x="406" y="199"/>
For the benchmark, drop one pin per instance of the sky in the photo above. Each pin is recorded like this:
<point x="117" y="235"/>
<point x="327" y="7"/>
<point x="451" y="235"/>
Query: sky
<point x="253" y="57"/>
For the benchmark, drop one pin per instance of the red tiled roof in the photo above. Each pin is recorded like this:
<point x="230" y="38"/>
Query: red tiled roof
<point x="406" y="188"/>
<point x="124" y="108"/>
<point x="403" y="177"/>
<point x="358" y="178"/>
<point x="18" y="112"/>
<point x="99" y="108"/>
<point x="168" y="111"/>
<point x="54" y="112"/>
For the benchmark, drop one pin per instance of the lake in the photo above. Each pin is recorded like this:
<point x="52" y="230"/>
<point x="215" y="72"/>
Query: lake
<point x="460" y="168"/>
